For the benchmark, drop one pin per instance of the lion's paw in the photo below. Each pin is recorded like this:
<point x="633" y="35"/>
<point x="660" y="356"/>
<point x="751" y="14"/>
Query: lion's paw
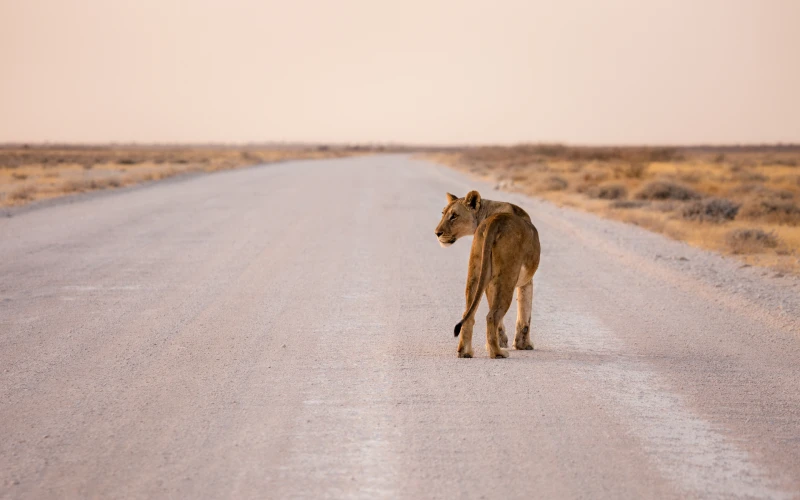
<point x="502" y="353"/>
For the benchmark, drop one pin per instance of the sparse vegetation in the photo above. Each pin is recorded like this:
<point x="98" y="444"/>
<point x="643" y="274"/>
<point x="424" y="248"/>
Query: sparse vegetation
<point x="634" y="170"/>
<point x="775" y="210"/>
<point x="29" y="173"/>
<point x="700" y="195"/>
<point x="744" y="241"/>
<point x="22" y="193"/>
<point x="554" y="183"/>
<point x="665" y="190"/>
<point x="711" y="210"/>
<point x="608" y="191"/>
<point x="629" y="204"/>
<point x="81" y="185"/>
<point x="73" y="186"/>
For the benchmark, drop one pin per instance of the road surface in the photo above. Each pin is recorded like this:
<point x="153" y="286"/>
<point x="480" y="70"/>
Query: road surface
<point x="285" y="331"/>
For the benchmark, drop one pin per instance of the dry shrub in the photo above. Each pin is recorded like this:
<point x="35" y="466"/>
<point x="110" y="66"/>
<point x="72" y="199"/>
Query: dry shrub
<point x="690" y="177"/>
<point x="575" y="167"/>
<point x="783" y="194"/>
<point x="667" y="206"/>
<point x="742" y="241"/>
<point x="250" y="156"/>
<point x="519" y="177"/>
<point x="665" y="190"/>
<point x="19" y="176"/>
<point x="775" y="210"/>
<point x="553" y="183"/>
<point x="609" y="191"/>
<point x="75" y="186"/>
<point x="630" y="170"/>
<point x="80" y="185"/>
<point x="629" y="204"/>
<point x="760" y="191"/>
<point x="749" y="176"/>
<point x="594" y="176"/>
<point x="791" y="180"/>
<point x="23" y="193"/>
<point x="711" y="210"/>
<point x="172" y="171"/>
<point x="113" y="182"/>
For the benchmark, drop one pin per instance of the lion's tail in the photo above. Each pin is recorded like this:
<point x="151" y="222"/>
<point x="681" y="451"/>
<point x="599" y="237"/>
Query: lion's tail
<point x="483" y="278"/>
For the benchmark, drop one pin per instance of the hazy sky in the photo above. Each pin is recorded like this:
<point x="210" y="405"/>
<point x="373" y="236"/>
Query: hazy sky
<point x="593" y="71"/>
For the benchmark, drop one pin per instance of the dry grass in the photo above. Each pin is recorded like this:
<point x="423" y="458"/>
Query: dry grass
<point x="33" y="173"/>
<point x="81" y="185"/>
<point x="747" y="241"/>
<point x="22" y="193"/>
<point x="608" y="191"/>
<point x="553" y="183"/>
<point x="660" y="189"/>
<point x="772" y="210"/>
<point x="711" y="210"/>
<point x="713" y="198"/>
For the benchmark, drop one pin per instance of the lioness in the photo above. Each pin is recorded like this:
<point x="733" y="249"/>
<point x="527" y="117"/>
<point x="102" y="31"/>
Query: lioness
<point x="505" y="255"/>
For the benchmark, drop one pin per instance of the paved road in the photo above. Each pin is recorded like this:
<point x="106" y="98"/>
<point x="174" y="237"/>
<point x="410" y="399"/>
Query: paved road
<point x="285" y="332"/>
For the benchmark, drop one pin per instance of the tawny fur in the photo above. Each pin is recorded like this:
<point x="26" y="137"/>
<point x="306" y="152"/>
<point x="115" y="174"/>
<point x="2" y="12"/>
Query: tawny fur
<point x="504" y="256"/>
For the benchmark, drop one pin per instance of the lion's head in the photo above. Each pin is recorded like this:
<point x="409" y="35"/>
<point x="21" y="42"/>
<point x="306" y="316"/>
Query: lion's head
<point x="459" y="218"/>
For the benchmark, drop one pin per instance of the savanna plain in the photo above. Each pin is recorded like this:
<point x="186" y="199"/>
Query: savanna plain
<point x="742" y="201"/>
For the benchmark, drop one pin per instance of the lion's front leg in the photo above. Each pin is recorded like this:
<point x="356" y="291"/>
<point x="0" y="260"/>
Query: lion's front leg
<point x="465" y="339"/>
<point x="522" y="340"/>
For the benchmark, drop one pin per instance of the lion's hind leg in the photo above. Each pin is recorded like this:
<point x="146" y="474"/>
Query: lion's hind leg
<point x="500" y="292"/>
<point x="501" y="335"/>
<point x="501" y="329"/>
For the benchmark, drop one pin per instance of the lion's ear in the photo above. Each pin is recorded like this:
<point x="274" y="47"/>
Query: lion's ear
<point x="451" y="198"/>
<point x="473" y="200"/>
